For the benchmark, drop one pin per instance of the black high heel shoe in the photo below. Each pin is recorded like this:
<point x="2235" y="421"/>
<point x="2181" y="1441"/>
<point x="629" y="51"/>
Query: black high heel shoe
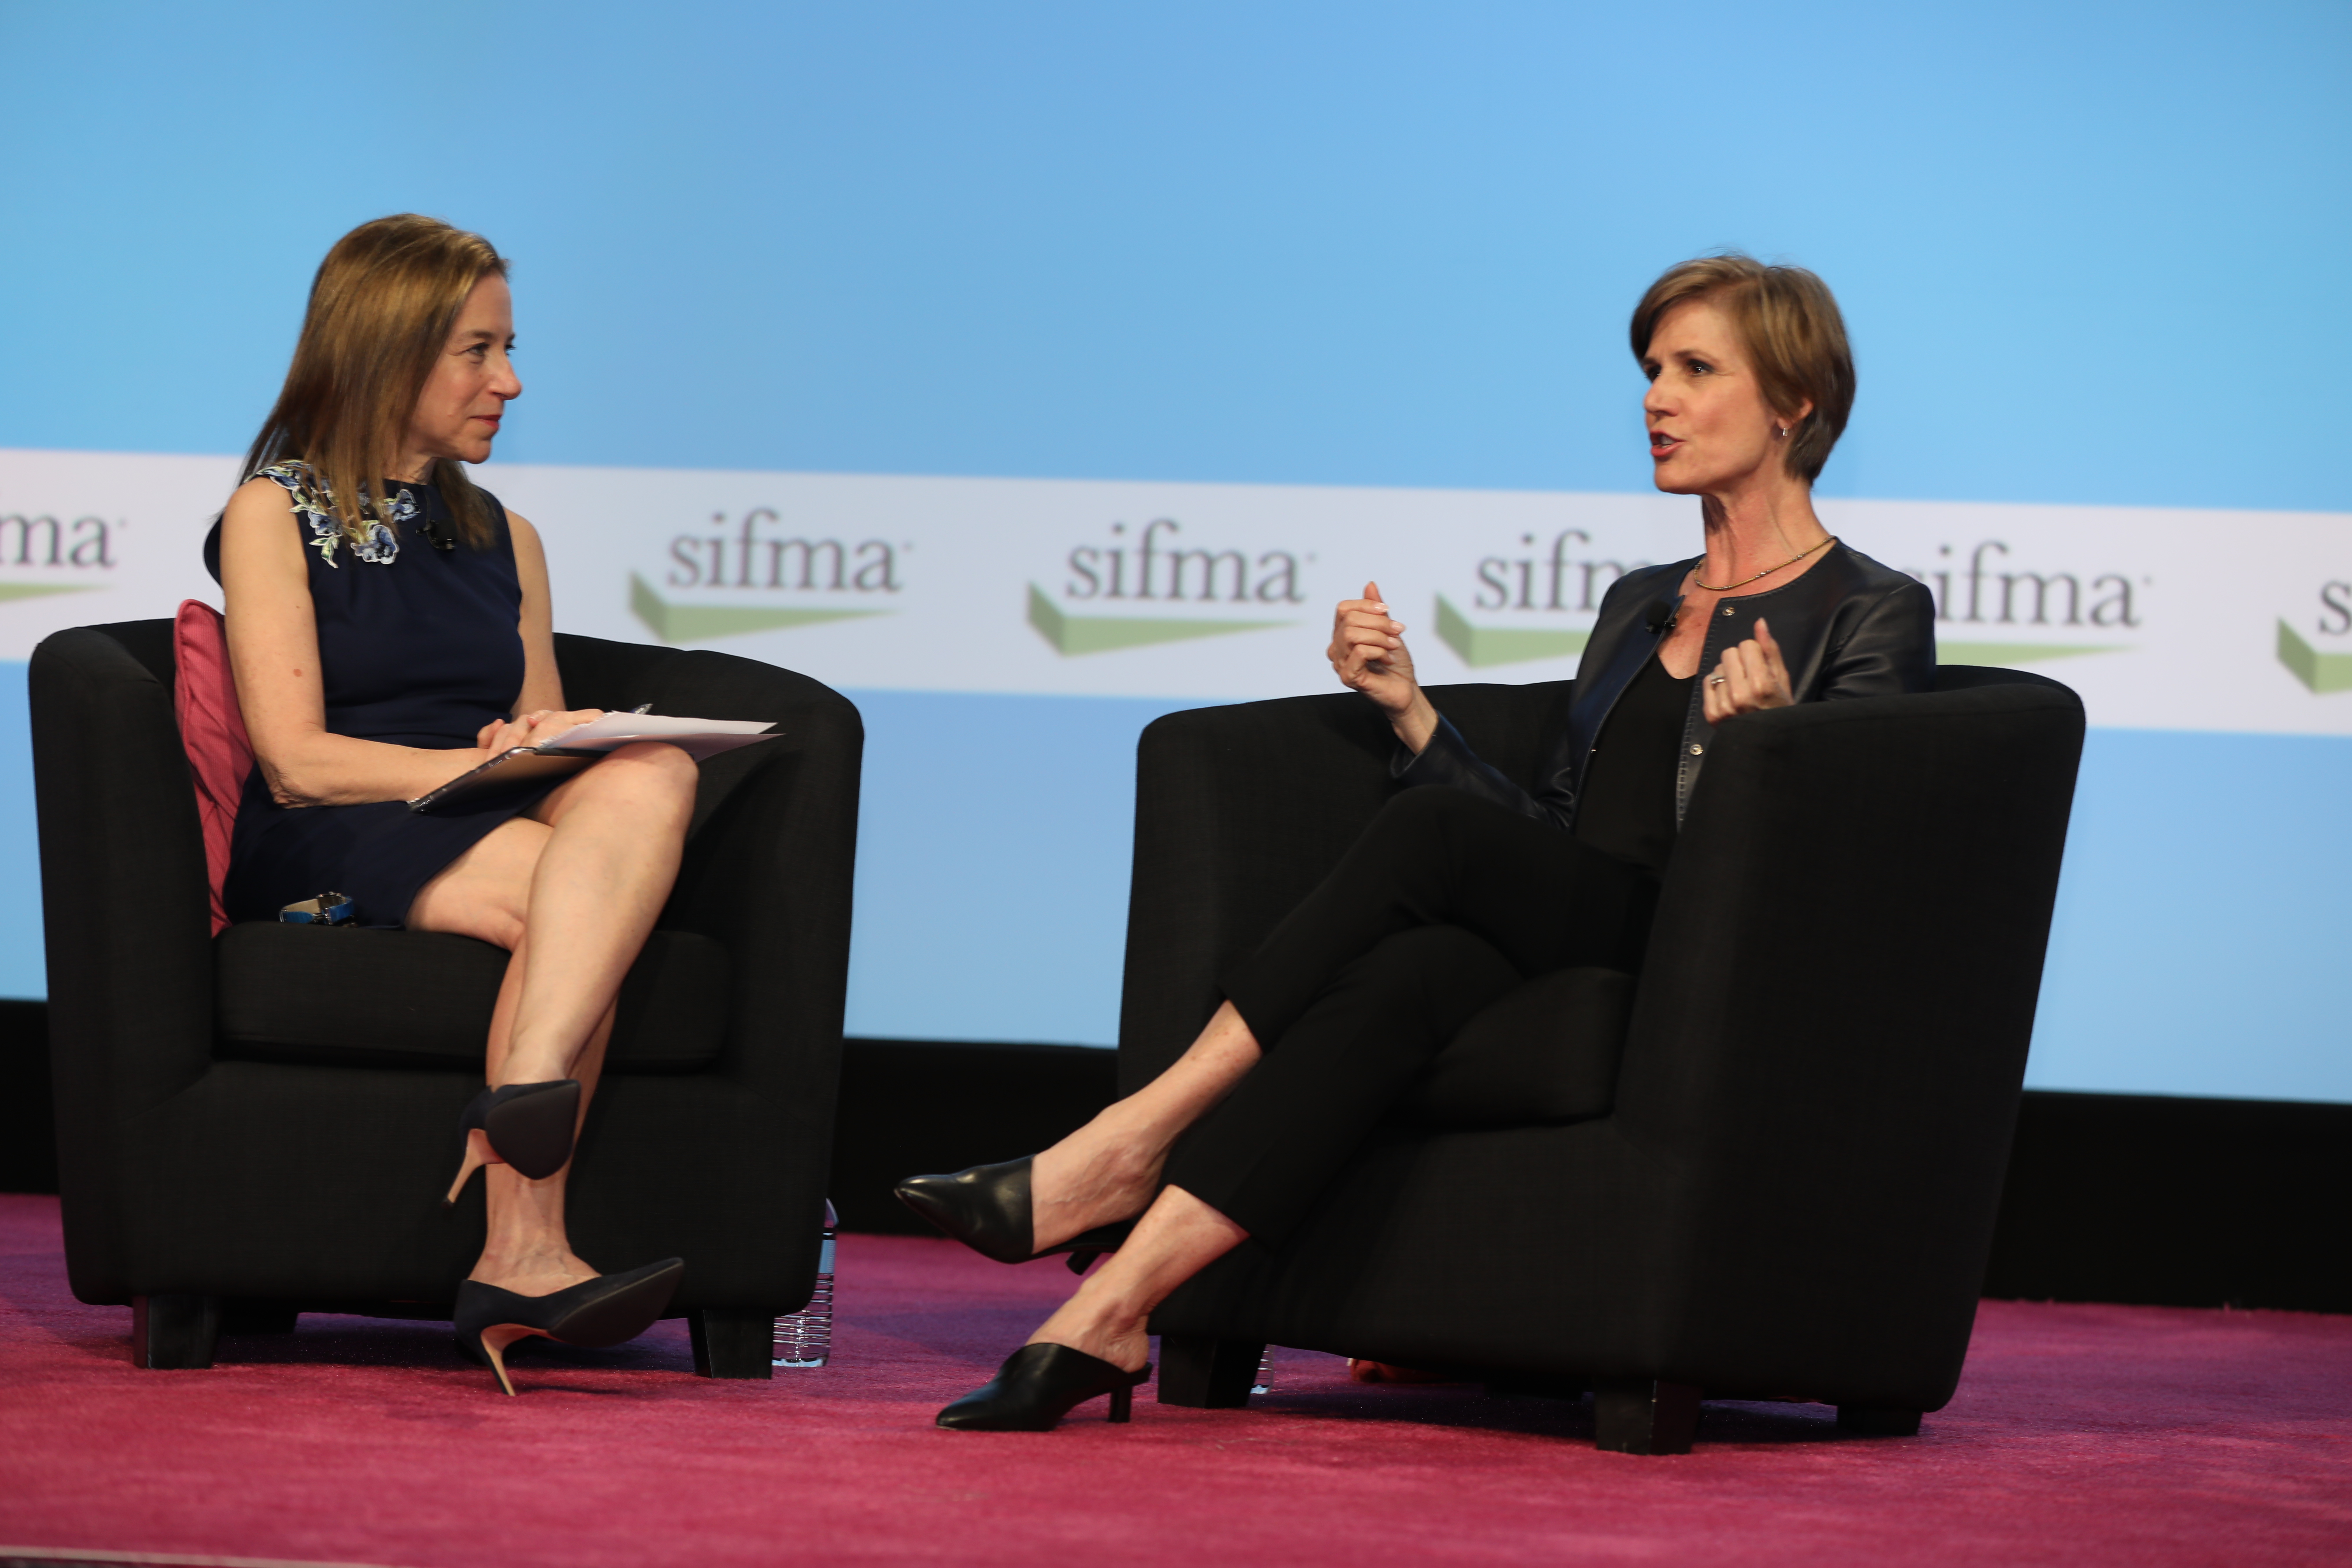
<point x="986" y="1207"/>
<point x="529" y="1126"/>
<point x="609" y="1310"/>
<point x="1037" y="1385"/>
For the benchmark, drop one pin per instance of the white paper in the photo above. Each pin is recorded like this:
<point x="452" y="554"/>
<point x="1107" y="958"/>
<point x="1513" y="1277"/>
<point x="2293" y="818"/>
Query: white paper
<point x="699" y="738"/>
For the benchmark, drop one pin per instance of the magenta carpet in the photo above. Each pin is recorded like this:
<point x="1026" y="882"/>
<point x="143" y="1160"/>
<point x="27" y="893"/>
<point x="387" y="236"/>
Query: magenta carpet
<point x="2080" y="1435"/>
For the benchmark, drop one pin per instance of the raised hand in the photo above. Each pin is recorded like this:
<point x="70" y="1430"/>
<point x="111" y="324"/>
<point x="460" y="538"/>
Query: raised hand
<point x="1368" y="654"/>
<point x="1750" y="678"/>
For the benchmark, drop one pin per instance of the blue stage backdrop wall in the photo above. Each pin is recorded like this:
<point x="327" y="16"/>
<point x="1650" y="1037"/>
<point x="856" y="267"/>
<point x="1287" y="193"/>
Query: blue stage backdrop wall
<point x="972" y="298"/>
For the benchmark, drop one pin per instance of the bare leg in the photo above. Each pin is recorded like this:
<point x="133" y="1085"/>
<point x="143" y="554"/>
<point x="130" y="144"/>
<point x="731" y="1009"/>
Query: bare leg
<point x="572" y="896"/>
<point x="601" y="879"/>
<point x="1108" y="1170"/>
<point x="527" y="1249"/>
<point x="1178" y="1237"/>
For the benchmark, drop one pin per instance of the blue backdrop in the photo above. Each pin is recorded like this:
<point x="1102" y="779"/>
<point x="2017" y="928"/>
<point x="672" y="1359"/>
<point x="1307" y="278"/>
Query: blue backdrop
<point x="2090" y="253"/>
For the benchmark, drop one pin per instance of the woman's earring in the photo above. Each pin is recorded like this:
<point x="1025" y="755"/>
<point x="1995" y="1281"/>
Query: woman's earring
<point x="1780" y="433"/>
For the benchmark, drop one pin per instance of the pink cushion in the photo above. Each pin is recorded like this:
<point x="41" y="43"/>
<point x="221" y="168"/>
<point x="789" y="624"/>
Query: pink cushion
<point x="212" y="728"/>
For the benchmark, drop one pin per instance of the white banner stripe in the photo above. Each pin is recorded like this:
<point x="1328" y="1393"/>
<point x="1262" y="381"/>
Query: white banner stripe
<point x="2163" y="619"/>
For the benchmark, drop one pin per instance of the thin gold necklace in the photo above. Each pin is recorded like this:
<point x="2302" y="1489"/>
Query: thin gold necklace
<point x="1792" y="561"/>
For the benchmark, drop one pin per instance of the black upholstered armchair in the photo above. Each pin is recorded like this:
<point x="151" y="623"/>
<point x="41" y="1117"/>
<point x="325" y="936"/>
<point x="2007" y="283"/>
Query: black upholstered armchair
<point x="1792" y="1193"/>
<point x="261" y="1123"/>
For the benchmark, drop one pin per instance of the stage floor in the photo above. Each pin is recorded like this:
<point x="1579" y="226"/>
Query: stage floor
<point x="2080" y="1434"/>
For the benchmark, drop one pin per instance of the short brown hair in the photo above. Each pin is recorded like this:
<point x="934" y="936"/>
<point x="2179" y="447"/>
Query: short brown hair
<point x="381" y="311"/>
<point x="1791" y="324"/>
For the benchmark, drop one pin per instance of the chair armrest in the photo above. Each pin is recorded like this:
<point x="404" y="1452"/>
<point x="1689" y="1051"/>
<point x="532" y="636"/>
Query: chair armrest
<point x="1241" y="810"/>
<point x="1830" y="1035"/>
<point x="124" y="913"/>
<point x="767" y="869"/>
<point x="599" y="672"/>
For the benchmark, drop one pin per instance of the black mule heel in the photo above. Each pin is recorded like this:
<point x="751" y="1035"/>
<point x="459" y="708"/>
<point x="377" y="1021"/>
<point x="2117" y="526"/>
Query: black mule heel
<point x="609" y="1310"/>
<point x="1037" y="1385"/>
<point x="529" y="1126"/>
<point x="986" y="1207"/>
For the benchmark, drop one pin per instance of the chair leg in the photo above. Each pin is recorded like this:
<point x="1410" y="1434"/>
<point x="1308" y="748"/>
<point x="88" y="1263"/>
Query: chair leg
<point x="1878" y="1420"/>
<point x="1644" y="1417"/>
<point x="733" y="1342"/>
<point x="174" y="1333"/>
<point x="1201" y="1373"/>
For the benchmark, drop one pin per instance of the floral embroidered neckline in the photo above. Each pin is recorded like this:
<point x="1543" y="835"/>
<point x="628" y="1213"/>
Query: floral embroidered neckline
<point x="378" y="544"/>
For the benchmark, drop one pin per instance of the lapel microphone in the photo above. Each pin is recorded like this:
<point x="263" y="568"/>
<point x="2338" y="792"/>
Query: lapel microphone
<point x="1658" y="617"/>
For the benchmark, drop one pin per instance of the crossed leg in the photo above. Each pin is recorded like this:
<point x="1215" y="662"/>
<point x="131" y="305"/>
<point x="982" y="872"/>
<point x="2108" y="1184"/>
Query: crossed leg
<point x="571" y="890"/>
<point x="1502" y="898"/>
<point x="1253" y="1164"/>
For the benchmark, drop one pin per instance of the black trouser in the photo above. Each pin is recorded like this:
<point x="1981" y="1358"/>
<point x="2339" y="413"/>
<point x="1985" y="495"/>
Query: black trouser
<point x="1446" y="903"/>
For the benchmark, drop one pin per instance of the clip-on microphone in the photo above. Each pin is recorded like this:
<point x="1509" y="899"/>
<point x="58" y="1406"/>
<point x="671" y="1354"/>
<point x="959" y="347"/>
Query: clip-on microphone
<point x="1659" y="617"/>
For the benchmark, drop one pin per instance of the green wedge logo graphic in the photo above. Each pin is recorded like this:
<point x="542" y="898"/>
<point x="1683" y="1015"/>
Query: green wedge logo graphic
<point x="43" y="590"/>
<point x="2322" y="672"/>
<point x="1072" y="634"/>
<point x="2010" y="653"/>
<point x="1482" y="647"/>
<point x="676" y="624"/>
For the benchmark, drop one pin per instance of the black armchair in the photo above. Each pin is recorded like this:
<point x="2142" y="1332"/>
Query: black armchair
<point x="1793" y="1192"/>
<point x="262" y="1124"/>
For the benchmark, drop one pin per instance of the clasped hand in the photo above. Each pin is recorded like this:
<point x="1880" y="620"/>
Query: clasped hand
<point x="1368" y="652"/>
<point x="534" y="728"/>
<point x="1750" y="679"/>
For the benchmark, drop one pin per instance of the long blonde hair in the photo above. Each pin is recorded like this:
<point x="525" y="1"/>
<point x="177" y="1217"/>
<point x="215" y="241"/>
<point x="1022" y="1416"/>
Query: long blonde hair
<point x="381" y="309"/>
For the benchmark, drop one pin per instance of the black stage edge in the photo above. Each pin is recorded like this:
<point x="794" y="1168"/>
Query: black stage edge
<point x="28" y="1132"/>
<point x="913" y="1106"/>
<point x="2146" y="1199"/>
<point x="2177" y="1201"/>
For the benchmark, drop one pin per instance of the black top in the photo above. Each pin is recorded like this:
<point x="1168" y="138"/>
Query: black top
<point x="1849" y="627"/>
<point x="1629" y="800"/>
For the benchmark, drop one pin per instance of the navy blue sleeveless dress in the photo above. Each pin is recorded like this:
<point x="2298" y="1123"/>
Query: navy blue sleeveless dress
<point x="419" y="645"/>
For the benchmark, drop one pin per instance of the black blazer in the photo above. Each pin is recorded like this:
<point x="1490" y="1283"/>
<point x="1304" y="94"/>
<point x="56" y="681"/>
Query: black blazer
<point x="1849" y="627"/>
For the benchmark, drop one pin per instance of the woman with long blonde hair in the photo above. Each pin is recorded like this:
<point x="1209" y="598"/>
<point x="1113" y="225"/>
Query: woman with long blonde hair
<point x="389" y="628"/>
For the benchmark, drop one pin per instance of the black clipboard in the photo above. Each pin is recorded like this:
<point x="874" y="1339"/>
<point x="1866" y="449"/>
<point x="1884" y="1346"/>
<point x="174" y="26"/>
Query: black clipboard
<point x="508" y="773"/>
<point x="526" y="768"/>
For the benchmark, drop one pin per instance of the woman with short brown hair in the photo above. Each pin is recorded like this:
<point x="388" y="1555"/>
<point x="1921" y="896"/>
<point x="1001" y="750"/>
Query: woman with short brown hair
<point x="1471" y="887"/>
<point x="1786" y="320"/>
<point x="1459" y="894"/>
<point x="389" y="628"/>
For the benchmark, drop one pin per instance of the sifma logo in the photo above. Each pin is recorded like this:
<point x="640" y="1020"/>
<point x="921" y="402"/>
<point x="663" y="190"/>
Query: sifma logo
<point x="46" y="545"/>
<point x="1561" y="576"/>
<point x="2324" y="665"/>
<point x="1985" y="588"/>
<point x="1557" y="579"/>
<point x="774" y="579"/>
<point x="1155" y="566"/>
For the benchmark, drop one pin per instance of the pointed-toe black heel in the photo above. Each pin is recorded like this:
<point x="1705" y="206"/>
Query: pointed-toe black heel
<point x="609" y="1310"/>
<point x="986" y="1207"/>
<point x="1037" y="1385"/>
<point x="529" y="1126"/>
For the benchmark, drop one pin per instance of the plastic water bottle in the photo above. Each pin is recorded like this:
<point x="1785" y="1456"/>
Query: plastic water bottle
<point x="804" y="1338"/>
